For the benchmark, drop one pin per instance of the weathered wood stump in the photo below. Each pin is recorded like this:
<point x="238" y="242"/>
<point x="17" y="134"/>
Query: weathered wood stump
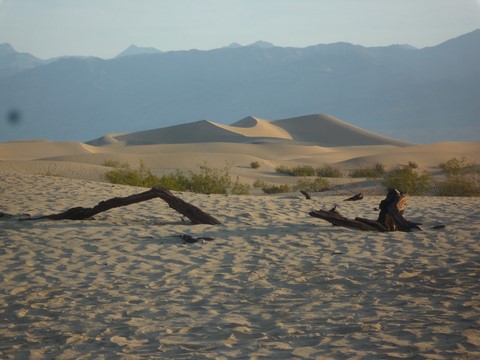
<point x="194" y="214"/>
<point x="390" y="217"/>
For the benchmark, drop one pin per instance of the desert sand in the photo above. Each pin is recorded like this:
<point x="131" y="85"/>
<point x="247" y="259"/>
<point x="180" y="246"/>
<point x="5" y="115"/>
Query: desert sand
<point x="273" y="283"/>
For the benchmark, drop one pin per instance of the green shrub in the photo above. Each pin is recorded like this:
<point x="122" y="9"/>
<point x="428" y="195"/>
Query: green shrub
<point x="299" y="170"/>
<point x="112" y="163"/>
<point x="209" y="180"/>
<point x="276" y="189"/>
<point x="456" y="166"/>
<point x="239" y="188"/>
<point x="206" y="181"/>
<point x="458" y="185"/>
<point x="318" y="184"/>
<point x="407" y="180"/>
<point x="176" y="181"/>
<point x="461" y="179"/>
<point x="254" y="164"/>
<point x="259" y="184"/>
<point x="123" y="174"/>
<point x="376" y="171"/>
<point x="412" y="165"/>
<point x="329" y="171"/>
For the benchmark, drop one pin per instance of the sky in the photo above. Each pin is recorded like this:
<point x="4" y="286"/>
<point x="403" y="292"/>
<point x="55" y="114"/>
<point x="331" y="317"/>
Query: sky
<point x="103" y="28"/>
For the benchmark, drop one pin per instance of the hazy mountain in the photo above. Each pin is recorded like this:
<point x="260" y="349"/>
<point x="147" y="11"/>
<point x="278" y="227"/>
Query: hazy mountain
<point x="425" y="95"/>
<point x="12" y="62"/>
<point x="262" y="44"/>
<point x="135" y="50"/>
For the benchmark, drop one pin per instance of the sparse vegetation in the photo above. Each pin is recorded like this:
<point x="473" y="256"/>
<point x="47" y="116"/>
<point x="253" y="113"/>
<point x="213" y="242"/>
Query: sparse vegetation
<point x="259" y="184"/>
<point x="318" y="184"/>
<point x="206" y="181"/>
<point x="112" y="163"/>
<point x="276" y="189"/>
<point x="123" y="174"/>
<point x="461" y="179"/>
<point x="239" y="188"/>
<point x="376" y="171"/>
<point x="299" y="170"/>
<point x="406" y="179"/>
<point x="329" y="171"/>
<point x="412" y="165"/>
<point x="456" y="166"/>
<point x="309" y="170"/>
<point x="254" y="164"/>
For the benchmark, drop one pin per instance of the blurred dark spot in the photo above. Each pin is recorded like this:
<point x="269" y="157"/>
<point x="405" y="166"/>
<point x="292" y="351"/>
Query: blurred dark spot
<point x="14" y="117"/>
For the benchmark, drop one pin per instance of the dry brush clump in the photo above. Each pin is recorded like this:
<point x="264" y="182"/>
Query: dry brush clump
<point x="461" y="178"/>
<point x="309" y="170"/>
<point x="374" y="172"/>
<point x="407" y="179"/>
<point x="207" y="180"/>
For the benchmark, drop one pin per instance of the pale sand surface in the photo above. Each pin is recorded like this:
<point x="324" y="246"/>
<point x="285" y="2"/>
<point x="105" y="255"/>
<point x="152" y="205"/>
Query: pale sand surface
<point x="81" y="161"/>
<point x="274" y="283"/>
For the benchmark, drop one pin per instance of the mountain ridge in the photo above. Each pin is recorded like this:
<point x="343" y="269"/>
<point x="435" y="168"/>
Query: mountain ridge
<point x="418" y="95"/>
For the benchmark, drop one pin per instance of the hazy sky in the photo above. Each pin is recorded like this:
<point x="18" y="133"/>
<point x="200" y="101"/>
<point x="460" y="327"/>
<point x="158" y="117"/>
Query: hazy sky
<point x="103" y="28"/>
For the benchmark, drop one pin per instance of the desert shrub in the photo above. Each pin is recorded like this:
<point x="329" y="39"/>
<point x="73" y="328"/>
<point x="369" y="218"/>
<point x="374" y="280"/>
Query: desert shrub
<point x="406" y="179"/>
<point x="461" y="179"/>
<point x="239" y="188"/>
<point x="456" y="166"/>
<point x="209" y="180"/>
<point x="259" y="184"/>
<point x="459" y="185"/>
<point x="276" y="189"/>
<point x="412" y="165"/>
<point x="254" y="164"/>
<point x="317" y="184"/>
<point x="123" y="174"/>
<point x="206" y="181"/>
<point x="176" y="181"/>
<point x="329" y="171"/>
<point x="113" y="163"/>
<point x="376" y="171"/>
<point x="299" y="170"/>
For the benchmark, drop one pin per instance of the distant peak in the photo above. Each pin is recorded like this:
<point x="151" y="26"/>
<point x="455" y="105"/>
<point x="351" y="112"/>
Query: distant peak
<point x="234" y="45"/>
<point x="6" y="48"/>
<point x="262" y="44"/>
<point x="137" y="50"/>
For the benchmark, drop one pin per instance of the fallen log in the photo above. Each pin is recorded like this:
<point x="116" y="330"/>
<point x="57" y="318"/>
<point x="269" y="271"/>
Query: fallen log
<point x="334" y="218"/>
<point x="194" y="214"/>
<point x="356" y="197"/>
<point x="390" y="217"/>
<point x="306" y="194"/>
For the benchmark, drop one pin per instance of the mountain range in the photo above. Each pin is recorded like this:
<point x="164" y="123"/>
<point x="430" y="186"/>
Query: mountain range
<point x="417" y="95"/>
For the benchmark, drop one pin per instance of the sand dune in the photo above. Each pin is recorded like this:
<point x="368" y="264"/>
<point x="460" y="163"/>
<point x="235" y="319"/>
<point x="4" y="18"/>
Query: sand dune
<point x="284" y="142"/>
<point x="321" y="130"/>
<point x="29" y="150"/>
<point x="326" y="130"/>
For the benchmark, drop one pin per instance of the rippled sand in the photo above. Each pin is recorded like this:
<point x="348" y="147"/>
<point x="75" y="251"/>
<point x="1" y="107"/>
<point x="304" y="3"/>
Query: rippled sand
<point x="274" y="283"/>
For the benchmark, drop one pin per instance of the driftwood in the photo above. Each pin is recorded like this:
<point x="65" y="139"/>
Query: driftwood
<point x="190" y="211"/>
<point x="355" y="197"/>
<point x="390" y="217"/>
<point x="334" y="218"/>
<point x="306" y="194"/>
